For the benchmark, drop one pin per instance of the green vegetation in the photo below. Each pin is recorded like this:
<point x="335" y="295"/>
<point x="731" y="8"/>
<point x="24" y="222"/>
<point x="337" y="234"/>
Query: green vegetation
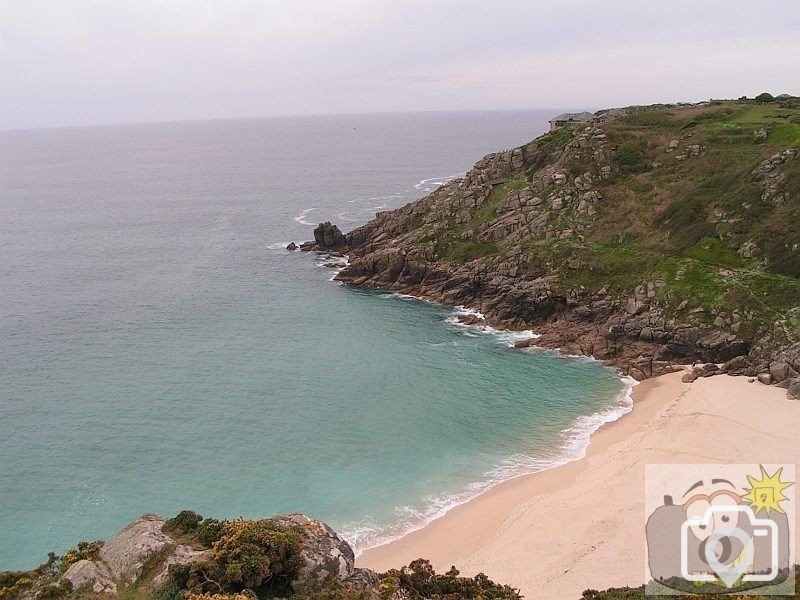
<point x="765" y="97"/>
<point x="249" y="560"/>
<point x="630" y="157"/>
<point x="260" y="556"/>
<point x="696" y="198"/>
<point x="638" y="593"/>
<point x="191" y="528"/>
<point x="418" y="581"/>
<point x="463" y="251"/>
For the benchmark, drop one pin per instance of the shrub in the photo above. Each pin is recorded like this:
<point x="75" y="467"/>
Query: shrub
<point x="765" y="97"/>
<point x="191" y="525"/>
<point x="419" y="581"/>
<point x="83" y="551"/>
<point x="255" y="555"/>
<point x="630" y="156"/>
<point x="184" y="523"/>
<point x="209" y="532"/>
<point x="251" y="553"/>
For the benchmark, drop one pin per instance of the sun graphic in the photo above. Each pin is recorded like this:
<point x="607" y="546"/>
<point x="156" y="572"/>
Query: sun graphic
<point x="766" y="493"/>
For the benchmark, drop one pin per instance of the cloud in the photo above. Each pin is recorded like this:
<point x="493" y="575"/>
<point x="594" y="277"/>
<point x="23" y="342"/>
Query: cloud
<point x="132" y="60"/>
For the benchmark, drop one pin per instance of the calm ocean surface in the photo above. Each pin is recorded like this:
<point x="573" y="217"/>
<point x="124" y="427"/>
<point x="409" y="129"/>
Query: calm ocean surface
<point x="160" y="350"/>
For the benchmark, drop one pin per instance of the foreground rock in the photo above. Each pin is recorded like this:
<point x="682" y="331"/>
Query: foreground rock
<point x="285" y="556"/>
<point x="142" y="554"/>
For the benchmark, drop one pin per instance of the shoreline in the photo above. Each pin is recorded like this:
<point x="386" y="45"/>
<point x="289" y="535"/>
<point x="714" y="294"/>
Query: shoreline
<point x="581" y="524"/>
<point x="573" y="447"/>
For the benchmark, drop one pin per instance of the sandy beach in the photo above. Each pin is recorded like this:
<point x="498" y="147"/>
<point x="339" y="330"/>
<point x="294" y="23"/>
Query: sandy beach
<point x="581" y="525"/>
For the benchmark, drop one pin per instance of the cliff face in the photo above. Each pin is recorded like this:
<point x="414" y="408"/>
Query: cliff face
<point x="666" y="236"/>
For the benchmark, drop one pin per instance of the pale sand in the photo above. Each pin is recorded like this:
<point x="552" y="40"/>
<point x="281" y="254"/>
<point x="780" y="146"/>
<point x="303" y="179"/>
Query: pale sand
<point x="581" y="525"/>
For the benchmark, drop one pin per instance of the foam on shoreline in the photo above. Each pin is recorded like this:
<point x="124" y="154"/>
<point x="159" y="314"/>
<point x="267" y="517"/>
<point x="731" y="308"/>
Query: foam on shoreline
<point x="367" y="534"/>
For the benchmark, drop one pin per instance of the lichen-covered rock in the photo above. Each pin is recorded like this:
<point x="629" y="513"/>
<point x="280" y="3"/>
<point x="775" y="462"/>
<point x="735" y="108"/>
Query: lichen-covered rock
<point x="127" y="552"/>
<point x="325" y="553"/>
<point x="97" y="574"/>
<point x="181" y="555"/>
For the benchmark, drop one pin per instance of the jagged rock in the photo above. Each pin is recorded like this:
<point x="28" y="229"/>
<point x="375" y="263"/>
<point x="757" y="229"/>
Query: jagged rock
<point x="328" y="237"/>
<point x="127" y="552"/>
<point x="445" y="248"/>
<point x="765" y="378"/>
<point x="95" y="573"/>
<point x="779" y="371"/>
<point x="292" y="247"/>
<point x="794" y="391"/>
<point x="325" y="554"/>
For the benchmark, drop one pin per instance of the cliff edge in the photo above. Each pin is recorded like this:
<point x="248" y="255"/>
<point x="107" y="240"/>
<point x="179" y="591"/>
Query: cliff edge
<point x="648" y="237"/>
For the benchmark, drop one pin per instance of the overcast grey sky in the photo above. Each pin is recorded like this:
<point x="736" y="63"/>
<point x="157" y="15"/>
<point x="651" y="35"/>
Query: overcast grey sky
<point x="65" y="62"/>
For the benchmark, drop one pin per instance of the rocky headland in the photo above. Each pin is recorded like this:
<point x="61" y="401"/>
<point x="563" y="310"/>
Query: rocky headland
<point x="654" y="238"/>
<point x="191" y="558"/>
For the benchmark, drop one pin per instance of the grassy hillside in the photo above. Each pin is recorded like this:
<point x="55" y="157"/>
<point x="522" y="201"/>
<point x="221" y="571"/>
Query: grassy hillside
<point x="703" y="200"/>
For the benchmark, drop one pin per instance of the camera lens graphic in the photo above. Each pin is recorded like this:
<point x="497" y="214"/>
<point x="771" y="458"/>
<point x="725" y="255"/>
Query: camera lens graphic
<point x="729" y="573"/>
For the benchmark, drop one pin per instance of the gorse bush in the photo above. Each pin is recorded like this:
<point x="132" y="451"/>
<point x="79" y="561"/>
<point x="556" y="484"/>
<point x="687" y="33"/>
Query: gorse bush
<point x="419" y="581"/>
<point x="192" y="526"/>
<point x="246" y="555"/>
<point x="83" y="551"/>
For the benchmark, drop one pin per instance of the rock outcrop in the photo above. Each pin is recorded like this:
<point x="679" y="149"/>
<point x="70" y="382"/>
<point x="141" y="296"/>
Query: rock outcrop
<point x="140" y="547"/>
<point x="141" y="555"/>
<point x="131" y="549"/>
<point x="549" y="236"/>
<point x="324" y="552"/>
<point x="96" y="575"/>
<point x="327" y="237"/>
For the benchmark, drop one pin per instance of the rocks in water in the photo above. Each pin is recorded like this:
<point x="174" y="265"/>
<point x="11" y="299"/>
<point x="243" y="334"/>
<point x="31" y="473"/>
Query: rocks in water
<point x="97" y="574"/>
<point x="292" y="247"/>
<point x="328" y="237"/>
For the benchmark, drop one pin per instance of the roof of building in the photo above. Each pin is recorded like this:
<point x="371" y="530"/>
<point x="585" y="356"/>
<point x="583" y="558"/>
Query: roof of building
<point x="579" y="117"/>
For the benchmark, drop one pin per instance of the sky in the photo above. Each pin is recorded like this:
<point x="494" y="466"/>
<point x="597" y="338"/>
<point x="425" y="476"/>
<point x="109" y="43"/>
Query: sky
<point x="72" y="62"/>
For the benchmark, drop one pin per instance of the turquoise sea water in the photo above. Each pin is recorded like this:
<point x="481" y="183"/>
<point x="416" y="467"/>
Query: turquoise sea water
<point x="160" y="350"/>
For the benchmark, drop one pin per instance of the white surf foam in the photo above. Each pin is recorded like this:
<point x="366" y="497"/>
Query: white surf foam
<point x="507" y="336"/>
<point x="430" y="184"/>
<point x="334" y="262"/>
<point x="301" y="218"/>
<point x="367" y="533"/>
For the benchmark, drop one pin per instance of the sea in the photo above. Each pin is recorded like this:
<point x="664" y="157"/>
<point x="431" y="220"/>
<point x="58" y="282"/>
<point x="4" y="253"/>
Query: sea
<point x="161" y="350"/>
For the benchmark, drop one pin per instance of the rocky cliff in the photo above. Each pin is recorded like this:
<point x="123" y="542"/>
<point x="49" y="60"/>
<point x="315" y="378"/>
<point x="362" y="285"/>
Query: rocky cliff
<point x="666" y="236"/>
<point x="191" y="558"/>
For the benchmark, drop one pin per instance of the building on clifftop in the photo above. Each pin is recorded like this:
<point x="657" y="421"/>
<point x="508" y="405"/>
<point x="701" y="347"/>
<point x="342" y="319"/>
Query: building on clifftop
<point x="570" y="119"/>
